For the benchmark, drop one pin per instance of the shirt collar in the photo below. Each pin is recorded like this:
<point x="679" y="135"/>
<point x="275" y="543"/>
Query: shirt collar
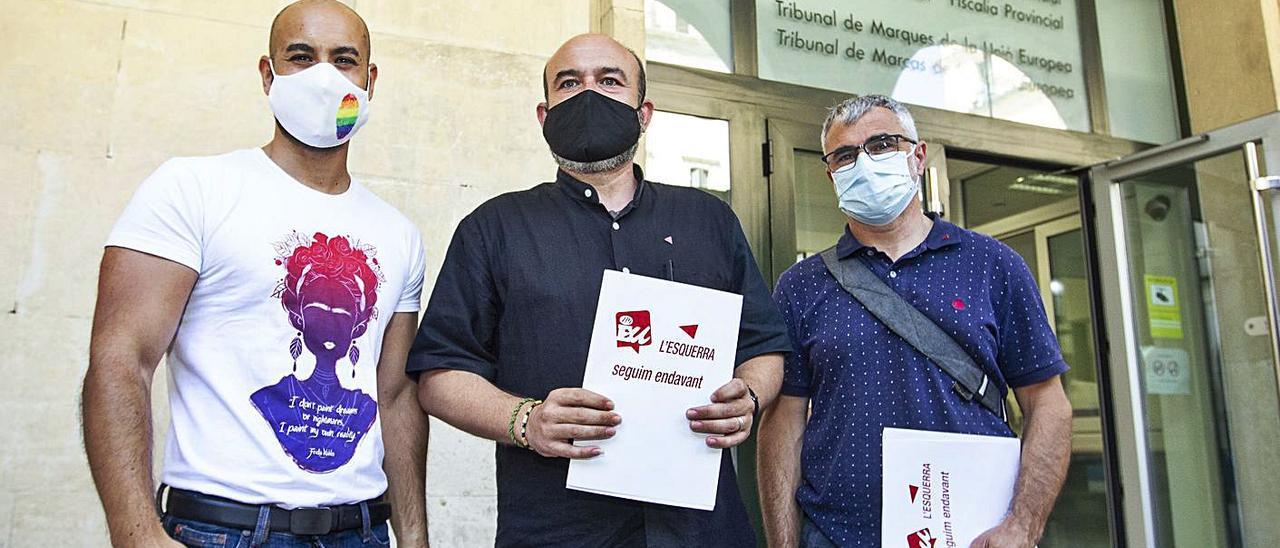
<point x="941" y="235"/>
<point x="577" y="190"/>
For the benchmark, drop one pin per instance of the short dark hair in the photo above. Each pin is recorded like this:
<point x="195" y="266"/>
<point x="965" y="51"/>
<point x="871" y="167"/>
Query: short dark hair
<point x="642" y="87"/>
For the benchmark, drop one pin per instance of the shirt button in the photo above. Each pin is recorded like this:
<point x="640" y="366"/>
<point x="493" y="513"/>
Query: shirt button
<point x="616" y="226"/>
<point x="587" y="192"/>
<point x="893" y="274"/>
<point x="626" y="270"/>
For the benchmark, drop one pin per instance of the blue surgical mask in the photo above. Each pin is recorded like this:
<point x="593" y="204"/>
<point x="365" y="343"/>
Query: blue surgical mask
<point x="875" y="192"/>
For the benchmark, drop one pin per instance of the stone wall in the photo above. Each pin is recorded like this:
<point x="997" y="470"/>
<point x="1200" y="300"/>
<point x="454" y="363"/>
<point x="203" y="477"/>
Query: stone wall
<point x="100" y="92"/>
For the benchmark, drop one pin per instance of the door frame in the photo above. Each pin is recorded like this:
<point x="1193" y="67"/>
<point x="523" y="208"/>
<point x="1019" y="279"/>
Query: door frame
<point x="1043" y="232"/>
<point x="783" y="138"/>
<point x="1094" y="437"/>
<point x="1118" y="313"/>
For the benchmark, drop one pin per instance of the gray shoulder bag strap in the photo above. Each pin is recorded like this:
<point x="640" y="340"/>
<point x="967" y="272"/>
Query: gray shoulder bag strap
<point x="971" y="382"/>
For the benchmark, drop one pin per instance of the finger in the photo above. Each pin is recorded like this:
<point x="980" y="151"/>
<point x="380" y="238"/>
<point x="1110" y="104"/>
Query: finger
<point x="720" y="426"/>
<point x="582" y="415"/>
<point x="736" y="388"/>
<point x="569" y="450"/>
<point x="725" y="442"/>
<point x="736" y="408"/>
<point x="581" y="432"/>
<point x="578" y="397"/>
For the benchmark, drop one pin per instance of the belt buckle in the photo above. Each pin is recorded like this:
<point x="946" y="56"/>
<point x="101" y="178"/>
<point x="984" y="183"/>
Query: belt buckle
<point x="311" y="521"/>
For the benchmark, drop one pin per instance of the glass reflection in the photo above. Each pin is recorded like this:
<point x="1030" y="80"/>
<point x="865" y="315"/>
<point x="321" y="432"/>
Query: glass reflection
<point x="691" y="33"/>
<point x="969" y="80"/>
<point x="688" y="151"/>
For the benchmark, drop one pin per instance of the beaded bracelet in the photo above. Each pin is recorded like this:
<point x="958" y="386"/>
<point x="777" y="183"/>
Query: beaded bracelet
<point x="511" y="424"/>
<point x="524" y="424"/>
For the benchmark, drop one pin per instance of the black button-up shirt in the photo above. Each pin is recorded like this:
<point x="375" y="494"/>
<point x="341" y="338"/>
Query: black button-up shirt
<point x="514" y="303"/>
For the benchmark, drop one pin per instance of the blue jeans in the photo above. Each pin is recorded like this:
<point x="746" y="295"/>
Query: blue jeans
<point x="812" y="537"/>
<point x="199" y="534"/>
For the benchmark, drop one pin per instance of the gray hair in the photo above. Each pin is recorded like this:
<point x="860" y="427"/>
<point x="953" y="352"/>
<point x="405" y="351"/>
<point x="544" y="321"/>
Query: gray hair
<point x="853" y="109"/>
<point x="599" y="166"/>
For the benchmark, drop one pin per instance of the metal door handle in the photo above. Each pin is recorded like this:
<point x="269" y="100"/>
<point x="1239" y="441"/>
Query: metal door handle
<point x="1263" y="184"/>
<point x="1258" y="186"/>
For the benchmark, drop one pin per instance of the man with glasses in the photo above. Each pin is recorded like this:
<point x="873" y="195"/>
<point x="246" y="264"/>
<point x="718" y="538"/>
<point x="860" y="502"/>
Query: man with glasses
<point x="820" y="473"/>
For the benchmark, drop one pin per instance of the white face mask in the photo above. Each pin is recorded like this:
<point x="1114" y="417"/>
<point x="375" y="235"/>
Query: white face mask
<point x="318" y="106"/>
<point x="875" y="192"/>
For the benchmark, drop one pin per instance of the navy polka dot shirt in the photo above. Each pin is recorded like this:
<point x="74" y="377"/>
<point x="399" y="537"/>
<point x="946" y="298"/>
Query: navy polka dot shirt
<point x="861" y="378"/>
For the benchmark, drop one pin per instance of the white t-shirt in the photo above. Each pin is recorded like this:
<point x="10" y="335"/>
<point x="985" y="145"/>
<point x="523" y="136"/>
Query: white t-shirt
<point x="272" y="384"/>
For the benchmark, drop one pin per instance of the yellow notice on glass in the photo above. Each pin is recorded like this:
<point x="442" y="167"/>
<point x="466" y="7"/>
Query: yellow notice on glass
<point x="1164" y="306"/>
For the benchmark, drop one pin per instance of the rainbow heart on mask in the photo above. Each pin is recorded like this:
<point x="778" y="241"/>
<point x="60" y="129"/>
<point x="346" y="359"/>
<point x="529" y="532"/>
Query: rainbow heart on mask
<point x="348" y="111"/>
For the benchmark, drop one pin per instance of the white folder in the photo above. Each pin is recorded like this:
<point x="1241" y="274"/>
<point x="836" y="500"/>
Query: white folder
<point x="942" y="489"/>
<point x="658" y="348"/>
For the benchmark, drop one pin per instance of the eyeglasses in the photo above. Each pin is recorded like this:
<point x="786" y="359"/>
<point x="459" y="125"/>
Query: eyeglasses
<point x="877" y="148"/>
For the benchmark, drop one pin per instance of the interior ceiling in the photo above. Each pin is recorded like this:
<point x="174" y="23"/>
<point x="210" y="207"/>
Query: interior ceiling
<point x="993" y="192"/>
<point x="964" y="169"/>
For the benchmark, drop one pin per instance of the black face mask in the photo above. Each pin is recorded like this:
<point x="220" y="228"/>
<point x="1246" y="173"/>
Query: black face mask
<point x="590" y="127"/>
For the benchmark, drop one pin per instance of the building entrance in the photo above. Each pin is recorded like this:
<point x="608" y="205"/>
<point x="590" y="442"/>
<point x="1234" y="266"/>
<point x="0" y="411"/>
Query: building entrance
<point x="1171" y="405"/>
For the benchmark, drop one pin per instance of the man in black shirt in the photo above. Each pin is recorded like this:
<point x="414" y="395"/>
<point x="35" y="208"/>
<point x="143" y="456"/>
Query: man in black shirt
<point x="509" y="322"/>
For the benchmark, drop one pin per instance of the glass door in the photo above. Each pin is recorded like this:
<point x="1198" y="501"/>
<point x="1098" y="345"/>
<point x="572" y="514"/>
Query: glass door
<point x="1080" y="518"/>
<point x="1047" y="233"/>
<point x="1184" y="257"/>
<point x="803" y="215"/>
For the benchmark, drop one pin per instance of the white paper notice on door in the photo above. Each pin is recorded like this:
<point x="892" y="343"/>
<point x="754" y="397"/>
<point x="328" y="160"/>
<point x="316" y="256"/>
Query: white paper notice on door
<point x="942" y="490"/>
<point x="658" y="348"/>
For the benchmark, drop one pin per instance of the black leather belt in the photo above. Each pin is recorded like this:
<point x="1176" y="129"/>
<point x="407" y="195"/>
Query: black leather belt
<point x="323" y="520"/>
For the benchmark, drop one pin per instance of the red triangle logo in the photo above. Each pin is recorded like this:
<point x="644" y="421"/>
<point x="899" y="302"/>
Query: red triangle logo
<point x="692" y="330"/>
<point x="913" y="490"/>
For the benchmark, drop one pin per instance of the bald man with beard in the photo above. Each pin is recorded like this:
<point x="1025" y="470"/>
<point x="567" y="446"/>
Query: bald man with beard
<point x="504" y="339"/>
<point x="285" y="295"/>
